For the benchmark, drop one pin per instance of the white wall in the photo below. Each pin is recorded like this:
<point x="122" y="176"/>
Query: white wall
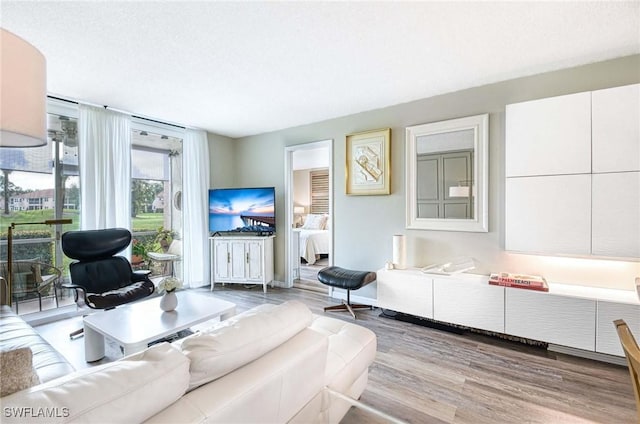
<point x="311" y="158"/>
<point x="302" y="188"/>
<point x="364" y="225"/>
<point x="221" y="160"/>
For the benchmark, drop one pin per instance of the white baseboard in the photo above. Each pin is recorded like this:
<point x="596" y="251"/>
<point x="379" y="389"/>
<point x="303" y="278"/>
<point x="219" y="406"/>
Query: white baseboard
<point x="603" y="357"/>
<point x="281" y="284"/>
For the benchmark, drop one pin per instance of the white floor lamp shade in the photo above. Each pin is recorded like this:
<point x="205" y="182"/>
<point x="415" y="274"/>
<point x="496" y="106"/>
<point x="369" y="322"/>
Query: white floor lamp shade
<point x="23" y="93"/>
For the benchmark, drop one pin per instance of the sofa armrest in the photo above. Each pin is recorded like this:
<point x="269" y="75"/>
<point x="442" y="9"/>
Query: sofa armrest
<point x="16" y="333"/>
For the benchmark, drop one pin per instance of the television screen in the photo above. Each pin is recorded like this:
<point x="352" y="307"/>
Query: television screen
<point x="242" y="209"/>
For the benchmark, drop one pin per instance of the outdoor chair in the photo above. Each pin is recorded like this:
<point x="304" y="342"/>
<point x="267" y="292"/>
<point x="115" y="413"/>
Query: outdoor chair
<point x="32" y="279"/>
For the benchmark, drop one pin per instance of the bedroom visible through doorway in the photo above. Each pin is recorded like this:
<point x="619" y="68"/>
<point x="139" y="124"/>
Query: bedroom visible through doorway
<point x="309" y="198"/>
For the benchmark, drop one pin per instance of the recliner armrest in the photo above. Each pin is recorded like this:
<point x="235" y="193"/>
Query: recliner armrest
<point x="76" y="290"/>
<point x="140" y="275"/>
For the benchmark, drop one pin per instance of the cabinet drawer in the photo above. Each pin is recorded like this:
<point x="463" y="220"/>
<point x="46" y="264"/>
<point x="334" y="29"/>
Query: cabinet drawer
<point x="607" y="340"/>
<point x="561" y="320"/>
<point x="409" y="292"/>
<point x="470" y="303"/>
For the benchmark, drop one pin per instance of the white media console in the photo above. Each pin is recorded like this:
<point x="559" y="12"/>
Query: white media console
<point x="241" y="259"/>
<point x="568" y="316"/>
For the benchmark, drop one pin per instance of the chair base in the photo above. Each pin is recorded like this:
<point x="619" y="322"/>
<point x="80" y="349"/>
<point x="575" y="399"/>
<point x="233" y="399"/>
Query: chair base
<point x="347" y="306"/>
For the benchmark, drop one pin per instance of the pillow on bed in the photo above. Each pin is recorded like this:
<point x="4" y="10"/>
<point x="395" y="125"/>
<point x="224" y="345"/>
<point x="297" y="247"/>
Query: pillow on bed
<point x="327" y="225"/>
<point x="314" y="221"/>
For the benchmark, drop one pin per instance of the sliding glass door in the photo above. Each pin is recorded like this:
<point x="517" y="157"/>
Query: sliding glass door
<point x="41" y="184"/>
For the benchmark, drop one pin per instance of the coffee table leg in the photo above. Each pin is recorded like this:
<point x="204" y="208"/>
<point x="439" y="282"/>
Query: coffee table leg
<point x="93" y="345"/>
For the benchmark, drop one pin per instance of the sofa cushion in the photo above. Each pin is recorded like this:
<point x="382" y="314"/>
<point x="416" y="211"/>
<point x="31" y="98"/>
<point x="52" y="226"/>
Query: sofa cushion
<point x="218" y="350"/>
<point x="16" y="369"/>
<point x="270" y="389"/>
<point x="16" y="333"/>
<point x="352" y="348"/>
<point x="126" y="391"/>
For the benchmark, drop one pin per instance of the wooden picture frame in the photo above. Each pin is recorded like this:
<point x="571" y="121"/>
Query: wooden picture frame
<point x="368" y="163"/>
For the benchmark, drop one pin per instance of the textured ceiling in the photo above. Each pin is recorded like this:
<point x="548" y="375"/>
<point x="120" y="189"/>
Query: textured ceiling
<point x="242" y="68"/>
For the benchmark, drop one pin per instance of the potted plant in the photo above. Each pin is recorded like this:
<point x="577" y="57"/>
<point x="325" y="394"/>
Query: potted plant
<point x="164" y="238"/>
<point x="138" y="252"/>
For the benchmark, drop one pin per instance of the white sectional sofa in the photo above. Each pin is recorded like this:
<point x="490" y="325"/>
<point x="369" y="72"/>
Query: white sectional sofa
<point x="270" y="364"/>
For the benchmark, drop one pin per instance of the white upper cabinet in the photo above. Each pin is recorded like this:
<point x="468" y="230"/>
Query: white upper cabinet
<point x="616" y="129"/>
<point x="550" y="214"/>
<point x="616" y="214"/>
<point x="549" y="136"/>
<point x="572" y="166"/>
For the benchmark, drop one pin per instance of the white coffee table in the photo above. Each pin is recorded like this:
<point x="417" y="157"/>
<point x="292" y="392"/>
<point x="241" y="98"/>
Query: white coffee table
<point x="135" y="325"/>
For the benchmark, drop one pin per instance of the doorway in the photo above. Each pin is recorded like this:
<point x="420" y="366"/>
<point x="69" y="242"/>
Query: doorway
<point x="309" y="191"/>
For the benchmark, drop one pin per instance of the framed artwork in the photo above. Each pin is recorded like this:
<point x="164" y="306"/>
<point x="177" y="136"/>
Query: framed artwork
<point x="369" y="162"/>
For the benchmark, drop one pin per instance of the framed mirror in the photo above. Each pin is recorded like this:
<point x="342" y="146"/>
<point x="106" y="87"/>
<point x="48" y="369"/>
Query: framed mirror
<point x="447" y="171"/>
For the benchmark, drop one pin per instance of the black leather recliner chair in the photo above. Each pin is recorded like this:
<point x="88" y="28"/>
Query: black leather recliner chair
<point x="100" y="279"/>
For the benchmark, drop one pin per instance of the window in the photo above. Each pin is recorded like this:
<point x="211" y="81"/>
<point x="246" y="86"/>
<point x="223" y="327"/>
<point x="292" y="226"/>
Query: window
<point x="320" y="191"/>
<point x="156" y="176"/>
<point x="31" y="181"/>
<point x="42" y="183"/>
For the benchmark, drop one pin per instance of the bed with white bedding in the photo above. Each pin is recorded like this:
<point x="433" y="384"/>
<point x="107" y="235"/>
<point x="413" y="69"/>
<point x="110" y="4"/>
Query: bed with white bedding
<point x="314" y="237"/>
<point x="313" y="243"/>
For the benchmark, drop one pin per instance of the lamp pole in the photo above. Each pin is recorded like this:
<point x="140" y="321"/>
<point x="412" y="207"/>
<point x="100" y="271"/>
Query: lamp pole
<point x="10" y="248"/>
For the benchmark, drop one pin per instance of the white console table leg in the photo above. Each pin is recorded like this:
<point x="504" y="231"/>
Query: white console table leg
<point x="93" y="345"/>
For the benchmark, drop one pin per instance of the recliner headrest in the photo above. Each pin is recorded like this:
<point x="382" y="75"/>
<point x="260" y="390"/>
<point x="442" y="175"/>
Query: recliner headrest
<point x="95" y="244"/>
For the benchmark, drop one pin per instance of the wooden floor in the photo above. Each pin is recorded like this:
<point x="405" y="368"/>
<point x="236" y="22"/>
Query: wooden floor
<point x="309" y="276"/>
<point x="424" y="375"/>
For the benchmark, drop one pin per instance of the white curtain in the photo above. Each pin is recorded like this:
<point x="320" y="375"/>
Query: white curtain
<point x="195" y="198"/>
<point x="104" y="145"/>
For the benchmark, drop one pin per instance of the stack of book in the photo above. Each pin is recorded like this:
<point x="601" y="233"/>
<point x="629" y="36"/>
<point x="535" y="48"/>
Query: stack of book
<point x="531" y="282"/>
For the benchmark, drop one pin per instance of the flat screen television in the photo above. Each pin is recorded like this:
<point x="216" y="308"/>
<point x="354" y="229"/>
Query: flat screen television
<point x="242" y="209"/>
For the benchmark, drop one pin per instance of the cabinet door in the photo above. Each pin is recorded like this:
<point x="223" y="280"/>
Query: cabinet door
<point x="222" y="260"/>
<point x="616" y="129"/>
<point x="238" y="250"/>
<point x="470" y="303"/>
<point x="607" y="340"/>
<point x="549" y="214"/>
<point x="549" y="136"/>
<point x="616" y="214"/>
<point x="253" y="259"/>
<point x="406" y="291"/>
<point x="566" y="321"/>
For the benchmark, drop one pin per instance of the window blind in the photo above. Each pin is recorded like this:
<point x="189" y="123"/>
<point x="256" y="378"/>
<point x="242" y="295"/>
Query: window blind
<point x="320" y="191"/>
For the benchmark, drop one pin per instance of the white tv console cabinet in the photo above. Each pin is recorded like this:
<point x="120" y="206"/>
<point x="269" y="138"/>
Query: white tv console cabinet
<point x="569" y="316"/>
<point x="241" y="259"/>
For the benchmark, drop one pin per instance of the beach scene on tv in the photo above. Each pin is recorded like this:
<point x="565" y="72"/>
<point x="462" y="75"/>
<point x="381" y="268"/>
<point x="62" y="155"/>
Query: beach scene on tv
<point x="242" y="209"/>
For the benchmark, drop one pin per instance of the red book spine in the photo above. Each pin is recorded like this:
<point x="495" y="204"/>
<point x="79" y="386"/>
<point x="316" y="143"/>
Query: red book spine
<point x="520" y="286"/>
